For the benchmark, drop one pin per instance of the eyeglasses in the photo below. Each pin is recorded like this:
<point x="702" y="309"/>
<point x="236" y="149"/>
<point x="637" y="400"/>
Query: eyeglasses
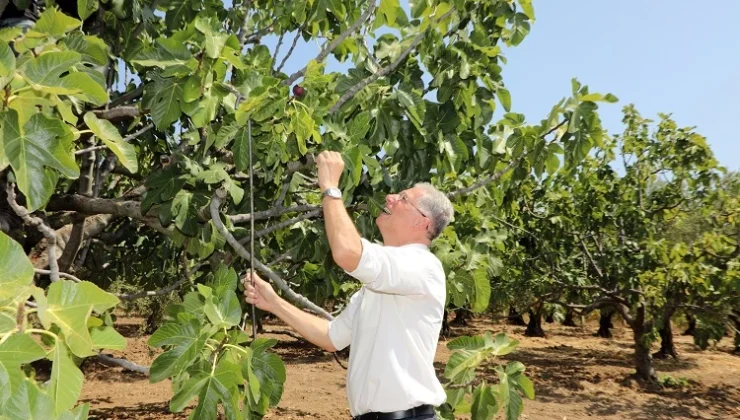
<point x="405" y="198"/>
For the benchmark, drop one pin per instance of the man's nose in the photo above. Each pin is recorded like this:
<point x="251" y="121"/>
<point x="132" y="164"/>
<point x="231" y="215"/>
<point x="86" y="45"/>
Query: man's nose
<point x="391" y="199"/>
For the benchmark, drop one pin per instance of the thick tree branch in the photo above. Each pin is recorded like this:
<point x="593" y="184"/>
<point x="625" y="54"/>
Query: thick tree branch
<point x="591" y="259"/>
<point x="327" y="49"/>
<point x="85" y="187"/>
<point x="39" y="224"/>
<point x="130" y="209"/>
<point x="218" y="197"/>
<point x="113" y="361"/>
<point x="349" y="94"/>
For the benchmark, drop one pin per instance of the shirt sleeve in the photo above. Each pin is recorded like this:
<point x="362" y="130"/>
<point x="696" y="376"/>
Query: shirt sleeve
<point x="392" y="270"/>
<point x="340" y="328"/>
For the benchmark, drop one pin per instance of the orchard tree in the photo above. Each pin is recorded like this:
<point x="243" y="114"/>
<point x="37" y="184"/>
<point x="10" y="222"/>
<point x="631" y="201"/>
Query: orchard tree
<point x="136" y="131"/>
<point x="608" y="242"/>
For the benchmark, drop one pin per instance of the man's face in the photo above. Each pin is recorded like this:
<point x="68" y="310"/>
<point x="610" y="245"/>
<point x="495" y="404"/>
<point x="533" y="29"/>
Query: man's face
<point x="403" y="216"/>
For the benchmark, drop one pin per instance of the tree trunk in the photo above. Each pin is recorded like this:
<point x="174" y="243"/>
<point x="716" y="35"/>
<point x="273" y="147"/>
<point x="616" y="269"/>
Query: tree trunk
<point x="692" y="325"/>
<point x="550" y="318"/>
<point x="605" y="323"/>
<point x="445" y="332"/>
<point x="667" y="347"/>
<point x="534" y="328"/>
<point x="515" y="318"/>
<point x="461" y="318"/>
<point x="643" y="360"/>
<point x="569" y="321"/>
<point x="736" y="320"/>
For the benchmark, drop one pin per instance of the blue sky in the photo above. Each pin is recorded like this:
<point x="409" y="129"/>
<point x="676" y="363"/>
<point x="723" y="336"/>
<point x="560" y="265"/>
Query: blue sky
<point x="673" y="56"/>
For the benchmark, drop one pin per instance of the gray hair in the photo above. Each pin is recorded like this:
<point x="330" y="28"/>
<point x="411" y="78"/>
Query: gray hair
<point x="437" y="207"/>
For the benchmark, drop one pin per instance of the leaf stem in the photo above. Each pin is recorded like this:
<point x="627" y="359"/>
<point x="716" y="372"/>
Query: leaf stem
<point x="43" y="332"/>
<point x="238" y="348"/>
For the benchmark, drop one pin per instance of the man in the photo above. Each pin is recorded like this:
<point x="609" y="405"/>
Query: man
<point x="393" y="322"/>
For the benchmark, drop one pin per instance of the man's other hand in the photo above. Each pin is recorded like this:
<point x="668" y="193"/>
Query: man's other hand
<point x="261" y="294"/>
<point x="330" y="166"/>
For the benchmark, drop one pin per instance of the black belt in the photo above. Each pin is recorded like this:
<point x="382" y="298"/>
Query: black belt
<point x="397" y="415"/>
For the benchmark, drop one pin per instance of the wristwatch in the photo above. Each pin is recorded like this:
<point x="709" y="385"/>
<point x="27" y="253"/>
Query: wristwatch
<point x="332" y="192"/>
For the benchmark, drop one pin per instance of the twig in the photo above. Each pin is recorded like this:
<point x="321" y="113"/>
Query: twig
<point x="255" y="36"/>
<point x="140" y="27"/>
<point x="113" y="361"/>
<point x="242" y="35"/>
<point x="277" y="48"/>
<point x="218" y="197"/>
<point x="126" y="139"/>
<point x="499" y="174"/>
<point x="127" y="97"/>
<point x="283" y="224"/>
<point x="292" y="47"/>
<point x="49" y="234"/>
<point x="274" y="212"/>
<point x="327" y="49"/>
<point x="385" y="70"/>
<point x="119" y="112"/>
<point x="185" y="276"/>
<point x="61" y="274"/>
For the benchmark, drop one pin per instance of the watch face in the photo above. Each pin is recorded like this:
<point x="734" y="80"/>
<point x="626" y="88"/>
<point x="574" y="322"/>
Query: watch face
<point x="333" y="192"/>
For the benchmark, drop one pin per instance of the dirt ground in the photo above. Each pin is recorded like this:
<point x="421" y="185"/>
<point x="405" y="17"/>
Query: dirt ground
<point x="576" y="376"/>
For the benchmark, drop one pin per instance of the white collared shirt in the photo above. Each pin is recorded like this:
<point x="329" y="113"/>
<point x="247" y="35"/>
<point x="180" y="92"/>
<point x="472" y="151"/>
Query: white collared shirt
<point x="393" y="325"/>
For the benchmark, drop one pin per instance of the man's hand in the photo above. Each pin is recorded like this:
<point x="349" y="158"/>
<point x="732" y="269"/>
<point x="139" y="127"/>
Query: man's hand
<point x="261" y="294"/>
<point x="330" y="166"/>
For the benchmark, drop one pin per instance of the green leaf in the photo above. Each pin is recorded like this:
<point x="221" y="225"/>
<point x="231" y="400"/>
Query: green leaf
<point x="112" y="138"/>
<point x="505" y="98"/>
<point x="225" y="279"/>
<point x="45" y="72"/>
<point x="467" y="343"/>
<point x="43" y="144"/>
<point x="482" y="290"/>
<point x="359" y="127"/>
<point x="240" y="149"/>
<point x="165" y="101"/>
<point x="390" y="10"/>
<point x="214" y="388"/>
<point x="85" y="8"/>
<point x="461" y="366"/>
<point x="500" y="345"/>
<point x="69" y="305"/>
<point x="17" y="271"/>
<point x="303" y="127"/>
<point x="65" y="385"/>
<point x="17" y="350"/>
<point x="527" y="8"/>
<point x="526" y="386"/>
<point x="270" y="371"/>
<point x="185" y="342"/>
<point x="28" y="402"/>
<point x="485" y="405"/>
<point x="552" y="163"/>
<point x="79" y="413"/>
<point x="107" y="338"/>
<point x="7" y="60"/>
<point x="224" y="311"/>
<point x="55" y="23"/>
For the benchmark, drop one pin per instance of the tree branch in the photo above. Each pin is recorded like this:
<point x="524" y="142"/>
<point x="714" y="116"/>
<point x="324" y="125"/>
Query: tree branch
<point x="142" y="25"/>
<point x="218" y="197"/>
<point x="349" y="94"/>
<point x="118" y="113"/>
<point x="130" y="209"/>
<point x="327" y="49"/>
<point x="273" y="212"/>
<point x="126" y="139"/>
<point x="283" y="224"/>
<point x="242" y="35"/>
<point x="113" y="361"/>
<point x="292" y="47"/>
<point x="39" y="224"/>
<point x="184" y="277"/>
<point x="61" y="274"/>
<point x="128" y="96"/>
